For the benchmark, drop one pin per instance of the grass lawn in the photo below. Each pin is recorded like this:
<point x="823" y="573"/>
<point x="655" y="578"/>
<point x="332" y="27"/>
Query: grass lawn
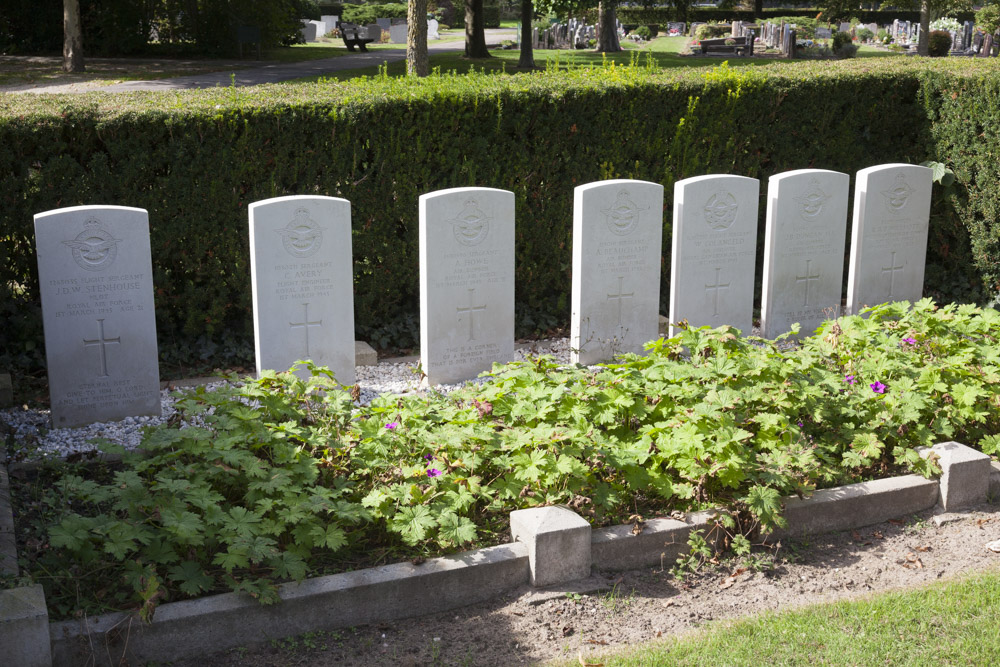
<point x="949" y="623"/>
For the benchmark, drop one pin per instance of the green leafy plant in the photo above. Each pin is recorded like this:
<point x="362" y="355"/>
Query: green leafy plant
<point x="268" y="480"/>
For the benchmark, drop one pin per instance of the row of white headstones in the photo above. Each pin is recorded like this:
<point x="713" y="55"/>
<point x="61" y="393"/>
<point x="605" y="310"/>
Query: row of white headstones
<point x="97" y="293"/>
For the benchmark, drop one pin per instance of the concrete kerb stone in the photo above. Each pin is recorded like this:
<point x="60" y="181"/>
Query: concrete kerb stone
<point x="658" y="542"/>
<point x="186" y="629"/>
<point x="565" y="549"/>
<point x="558" y="542"/>
<point x="857" y="505"/>
<point x="994" y="492"/>
<point x="965" y="475"/>
<point x="24" y="627"/>
<point x="8" y="543"/>
<point x="364" y="354"/>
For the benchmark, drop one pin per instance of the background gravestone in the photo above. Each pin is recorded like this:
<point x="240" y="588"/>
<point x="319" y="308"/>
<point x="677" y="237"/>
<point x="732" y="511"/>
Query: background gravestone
<point x="889" y="235"/>
<point x="466" y="282"/>
<point x="803" y="249"/>
<point x="713" y="255"/>
<point x="96" y="282"/>
<point x="617" y="247"/>
<point x="303" y="291"/>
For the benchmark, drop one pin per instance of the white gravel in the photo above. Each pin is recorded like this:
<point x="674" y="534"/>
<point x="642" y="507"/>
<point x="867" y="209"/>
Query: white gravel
<point x="34" y="437"/>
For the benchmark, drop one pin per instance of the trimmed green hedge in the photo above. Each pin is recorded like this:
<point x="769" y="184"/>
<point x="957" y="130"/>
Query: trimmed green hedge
<point x="197" y="159"/>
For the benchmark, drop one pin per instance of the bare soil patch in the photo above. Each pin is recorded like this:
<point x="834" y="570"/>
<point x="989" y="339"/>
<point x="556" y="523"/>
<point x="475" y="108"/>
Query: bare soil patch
<point x="614" y="610"/>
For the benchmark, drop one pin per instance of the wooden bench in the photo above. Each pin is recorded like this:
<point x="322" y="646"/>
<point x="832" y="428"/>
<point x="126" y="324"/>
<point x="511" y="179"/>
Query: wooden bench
<point x="356" y="35"/>
<point x="736" y="45"/>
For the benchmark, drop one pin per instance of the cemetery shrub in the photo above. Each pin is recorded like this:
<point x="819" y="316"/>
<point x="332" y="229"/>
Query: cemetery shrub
<point x="938" y="43"/>
<point x="865" y="35"/>
<point x="196" y="159"/>
<point x="711" y="30"/>
<point x="366" y="14"/>
<point x="988" y="19"/>
<point x="644" y="32"/>
<point x="280" y="479"/>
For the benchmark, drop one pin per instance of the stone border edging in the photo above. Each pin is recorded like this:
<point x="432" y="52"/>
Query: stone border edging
<point x="554" y="547"/>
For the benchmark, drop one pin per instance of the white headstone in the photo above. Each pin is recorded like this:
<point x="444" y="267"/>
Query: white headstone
<point x="889" y="235"/>
<point x="432" y="29"/>
<point x="617" y="251"/>
<point x="309" y="30"/>
<point x="301" y="278"/>
<point x="96" y="282"/>
<point x="397" y="33"/>
<point x="466" y="282"/>
<point x="803" y="249"/>
<point x="330" y="20"/>
<point x="714" y="251"/>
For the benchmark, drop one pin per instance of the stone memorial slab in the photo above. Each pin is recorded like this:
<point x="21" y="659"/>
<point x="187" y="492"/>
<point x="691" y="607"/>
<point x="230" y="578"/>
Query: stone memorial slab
<point x="466" y="282"/>
<point x="96" y="282"/>
<point x="804" y="249"/>
<point x="397" y="33"/>
<point x="889" y="235"/>
<point x="302" y="285"/>
<point x="432" y="29"/>
<point x="617" y="249"/>
<point x="713" y="255"/>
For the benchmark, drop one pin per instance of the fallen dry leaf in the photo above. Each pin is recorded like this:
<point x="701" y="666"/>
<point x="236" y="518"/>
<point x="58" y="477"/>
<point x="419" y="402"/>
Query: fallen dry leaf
<point x="877" y="535"/>
<point x="896" y="522"/>
<point x="597" y="641"/>
<point x="911" y="562"/>
<point x="588" y="664"/>
<point x="567" y="631"/>
<point x="924" y="548"/>
<point x="727" y="582"/>
<point x="856" y="536"/>
<point x="994" y="546"/>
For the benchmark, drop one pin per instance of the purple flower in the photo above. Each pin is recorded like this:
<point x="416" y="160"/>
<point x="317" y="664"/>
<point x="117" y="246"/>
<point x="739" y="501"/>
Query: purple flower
<point x="392" y="425"/>
<point x="910" y="340"/>
<point x="850" y="379"/>
<point x="429" y="457"/>
<point x="877" y="387"/>
<point x="800" y="424"/>
<point x="434" y="472"/>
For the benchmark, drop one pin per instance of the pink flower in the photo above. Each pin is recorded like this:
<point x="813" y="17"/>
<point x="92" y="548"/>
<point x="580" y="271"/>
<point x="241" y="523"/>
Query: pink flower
<point x="850" y="379"/>
<point x="910" y="341"/>
<point x="392" y="426"/>
<point x="434" y="472"/>
<point x="877" y="387"/>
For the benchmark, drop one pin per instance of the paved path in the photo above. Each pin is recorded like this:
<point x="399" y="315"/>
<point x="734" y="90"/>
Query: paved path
<point x="275" y="72"/>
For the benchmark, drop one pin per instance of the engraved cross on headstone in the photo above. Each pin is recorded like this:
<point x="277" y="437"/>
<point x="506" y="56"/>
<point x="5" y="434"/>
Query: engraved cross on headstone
<point x="620" y="297"/>
<point x="807" y="279"/>
<point x="306" y="324"/>
<point x="715" y="292"/>
<point x="891" y="270"/>
<point x="471" y="310"/>
<point x="103" y="343"/>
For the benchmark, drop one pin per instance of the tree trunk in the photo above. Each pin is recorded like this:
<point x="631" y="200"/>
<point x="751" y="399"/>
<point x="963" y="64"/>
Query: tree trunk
<point x="417" y="63"/>
<point x="72" y="37"/>
<point x="527" y="59"/>
<point x="607" y="33"/>
<point x="758" y="8"/>
<point x="925" y="27"/>
<point x="475" y="32"/>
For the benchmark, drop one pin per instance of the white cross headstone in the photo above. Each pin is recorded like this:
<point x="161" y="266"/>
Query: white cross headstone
<point x="617" y="243"/>
<point x="889" y="235"/>
<point x="301" y="277"/>
<point x="713" y="254"/>
<point x="96" y="281"/>
<point x="466" y="282"/>
<point x="803" y="249"/>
